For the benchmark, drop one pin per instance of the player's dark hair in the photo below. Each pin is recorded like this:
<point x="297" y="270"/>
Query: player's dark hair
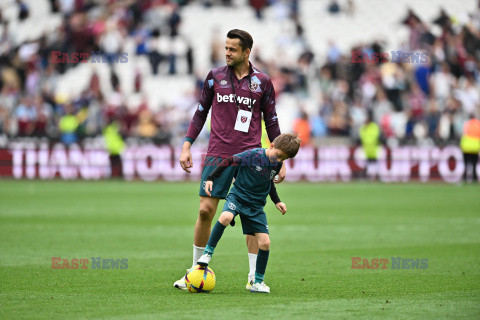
<point x="288" y="143"/>
<point x="246" y="40"/>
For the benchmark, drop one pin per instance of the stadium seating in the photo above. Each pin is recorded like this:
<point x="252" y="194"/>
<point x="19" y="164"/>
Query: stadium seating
<point x="274" y="39"/>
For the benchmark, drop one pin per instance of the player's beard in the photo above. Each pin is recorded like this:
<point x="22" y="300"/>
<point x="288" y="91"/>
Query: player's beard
<point x="235" y="62"/>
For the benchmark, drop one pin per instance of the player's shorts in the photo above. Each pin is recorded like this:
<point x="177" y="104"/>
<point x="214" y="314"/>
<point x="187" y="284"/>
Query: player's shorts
<point x="221" y="185"/>
<point x="253" y="221"/>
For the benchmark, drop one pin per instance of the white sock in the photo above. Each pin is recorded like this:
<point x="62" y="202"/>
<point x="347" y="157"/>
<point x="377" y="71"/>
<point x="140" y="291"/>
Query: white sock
<point x="197" y="253"/>
<point x="252" y="262"/>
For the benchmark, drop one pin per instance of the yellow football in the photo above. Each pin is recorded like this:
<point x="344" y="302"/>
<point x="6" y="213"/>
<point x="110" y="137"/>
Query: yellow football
<point x="200" y="279"/>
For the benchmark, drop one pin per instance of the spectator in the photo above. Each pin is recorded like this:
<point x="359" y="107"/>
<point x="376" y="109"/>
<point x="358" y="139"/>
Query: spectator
<point x="44" y="116"/>
<point x="68" y="126"/>
<point x="4" y="120"/>
<point x="338" y="122"/>
<point x="333" y="7"/>
<point x="172" y="62"/>
<point x="23" y="10"/>
<point x="432" y="118"/>
<point x="216" y="49"/>
<point x="155" y="56"/>
<point x="333" y="53"/>
<point x="111" y="41"/>
<point x="422" y="77"/>
<point x="370" y="139"/>
<point x="302" y="128"/>
<point x="444" y="22"/>
<point x="26" y="115"/>
<point x="416" y="102"/>
<point x="115" y="146"/>
<point x="146" y="127"/>
<point x="470" y="145"/>
<point x="442" y="83"/>
<point x="189" y="57"/>
<point x="381" y="107"/>
<point x="67" y="6"/>
<point x="174" y="21"/>
<point x="54" y="6"/>
<point x="358" y="115"/>
<point x="259" y="6"/>
<point x="6" y="44"/>
<point x="350" y="10"/>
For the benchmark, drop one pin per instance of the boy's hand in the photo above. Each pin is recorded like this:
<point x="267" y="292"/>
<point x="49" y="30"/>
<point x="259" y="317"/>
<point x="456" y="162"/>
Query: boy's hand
<point x="281" y="207"/>
<point x="208" y="188"/>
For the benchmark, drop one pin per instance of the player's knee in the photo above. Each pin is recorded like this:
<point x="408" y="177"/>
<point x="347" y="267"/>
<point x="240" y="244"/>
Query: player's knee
<point x="264" y="244"/>
<point x="206" y="213"/>
<point x="225" y="218"/>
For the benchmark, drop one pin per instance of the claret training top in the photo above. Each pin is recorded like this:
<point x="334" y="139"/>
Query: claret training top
<point x="254" y="92"/>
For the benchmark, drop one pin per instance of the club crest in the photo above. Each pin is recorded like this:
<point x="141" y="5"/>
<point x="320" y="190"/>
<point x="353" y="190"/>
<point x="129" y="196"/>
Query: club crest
<point x="253" y="86"/>
<point x="243" y="119"/>
<point x="272" y="174"/>
<point x="223" y="82"/>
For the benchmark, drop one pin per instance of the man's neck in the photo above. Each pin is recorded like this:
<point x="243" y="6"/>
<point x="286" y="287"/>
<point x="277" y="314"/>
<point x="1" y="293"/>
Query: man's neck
<point x="242" y="70"/>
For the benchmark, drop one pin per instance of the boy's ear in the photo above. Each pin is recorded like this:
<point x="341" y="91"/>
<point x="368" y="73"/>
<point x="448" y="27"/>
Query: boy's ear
<point x="272" y="145"/>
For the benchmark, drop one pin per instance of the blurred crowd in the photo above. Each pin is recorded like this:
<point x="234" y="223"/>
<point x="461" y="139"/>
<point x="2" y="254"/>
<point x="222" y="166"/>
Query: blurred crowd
<point x="413" y="103"/>
<point x="30" y="105"/>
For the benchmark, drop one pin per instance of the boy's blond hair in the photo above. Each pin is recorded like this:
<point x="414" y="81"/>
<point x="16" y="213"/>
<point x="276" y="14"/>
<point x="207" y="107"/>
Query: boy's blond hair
<point x="288" y="143"/>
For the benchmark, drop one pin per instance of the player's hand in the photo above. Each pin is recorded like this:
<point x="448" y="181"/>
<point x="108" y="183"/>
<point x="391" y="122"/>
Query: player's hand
<point x="186" y="159"/>
<point x="281" y="175"/>
<point x="281" y="207"/>
<point x="208" y="188"/>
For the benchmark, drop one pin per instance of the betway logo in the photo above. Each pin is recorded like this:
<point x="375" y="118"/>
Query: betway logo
<point x="231" y="98"/>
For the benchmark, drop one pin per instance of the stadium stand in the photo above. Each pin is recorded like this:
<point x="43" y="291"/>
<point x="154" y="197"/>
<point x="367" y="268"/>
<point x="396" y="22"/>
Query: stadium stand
<point x="304" y="45"/>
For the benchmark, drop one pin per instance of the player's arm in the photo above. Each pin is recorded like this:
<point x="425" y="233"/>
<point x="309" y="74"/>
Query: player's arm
<point x="276" y="199"/>
<point x="268" y="107"/>
<point x="269" y="111"/>
<point x="197" y="123"/>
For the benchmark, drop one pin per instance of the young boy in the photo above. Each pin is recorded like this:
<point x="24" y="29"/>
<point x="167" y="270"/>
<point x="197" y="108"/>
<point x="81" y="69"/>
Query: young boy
<point x="253" y="182"/>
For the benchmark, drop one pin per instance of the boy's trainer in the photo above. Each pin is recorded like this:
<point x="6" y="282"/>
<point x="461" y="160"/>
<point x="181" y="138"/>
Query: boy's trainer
<point x="260" y="287"/>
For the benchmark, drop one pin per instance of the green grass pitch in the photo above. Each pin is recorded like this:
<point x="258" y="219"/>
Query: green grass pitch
<point x="309" y="271"/>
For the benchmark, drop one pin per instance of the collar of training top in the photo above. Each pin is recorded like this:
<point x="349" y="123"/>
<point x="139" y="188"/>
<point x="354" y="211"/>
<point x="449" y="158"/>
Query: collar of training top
<point x="250" y="70"/>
